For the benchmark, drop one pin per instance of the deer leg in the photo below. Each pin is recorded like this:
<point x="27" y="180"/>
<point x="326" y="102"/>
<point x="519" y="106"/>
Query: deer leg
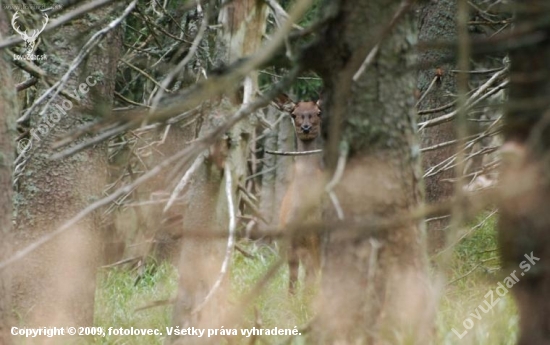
<point x="312" y="260"/>
<point x="293" y="268"/>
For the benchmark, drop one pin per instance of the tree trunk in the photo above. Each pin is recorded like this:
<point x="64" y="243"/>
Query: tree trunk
<point x="55" y="285"/>
<point x="268" y="202"/>
<point x="154" y="221"/>
<point x="8" y="112"/>
<point x="524" y="222"/>
<point x="374" y="280"/>
<point x="437" y="23"/>
<point x="243" y="23"/>
<point x="275" y="168"/>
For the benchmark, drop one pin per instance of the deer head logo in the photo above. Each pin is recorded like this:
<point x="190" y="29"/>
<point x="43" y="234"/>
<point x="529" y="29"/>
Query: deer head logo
<point x="30" y="40"/>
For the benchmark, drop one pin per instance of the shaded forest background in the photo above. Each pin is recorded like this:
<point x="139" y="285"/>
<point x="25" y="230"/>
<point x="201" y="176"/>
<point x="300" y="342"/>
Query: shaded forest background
<point x="144" y="161"/>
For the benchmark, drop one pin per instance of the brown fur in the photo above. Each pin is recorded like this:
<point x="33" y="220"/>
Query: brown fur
<point x="300" y="203"/>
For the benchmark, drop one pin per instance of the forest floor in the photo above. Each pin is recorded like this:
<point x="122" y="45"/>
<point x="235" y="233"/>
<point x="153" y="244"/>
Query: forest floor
<point x="473" y="272"/>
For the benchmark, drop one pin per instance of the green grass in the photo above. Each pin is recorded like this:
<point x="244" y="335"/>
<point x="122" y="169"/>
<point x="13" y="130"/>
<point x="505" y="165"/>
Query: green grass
<point x="274" y="307"/>
<point x="117" y="298"/>
<point x="474" y="270"/>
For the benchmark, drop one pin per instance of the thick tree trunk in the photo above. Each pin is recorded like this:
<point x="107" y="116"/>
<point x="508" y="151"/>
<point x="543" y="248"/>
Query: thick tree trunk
<point x="437" y="23"/>
<point x="285" y="142"/>
<point x="55" y="285"/>
<point x="8" y="113"/>
<point x="154" y="221"/>
<point x="276" y="168"/>
<point x="268" y="203"/>
<point x="243" y="23"/>
<point x="374" y="281"/>
<point x="524" y="222"/>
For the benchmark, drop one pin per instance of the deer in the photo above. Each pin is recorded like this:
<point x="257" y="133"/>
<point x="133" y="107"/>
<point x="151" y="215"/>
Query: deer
<point x="29" y="39"/>
<point x="300" y="205"/>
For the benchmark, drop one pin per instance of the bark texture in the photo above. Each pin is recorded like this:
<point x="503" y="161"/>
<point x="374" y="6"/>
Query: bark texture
<point x="151" y="220"/>
<point x="374" y="281"/>
<point x="8" y="113"/>
<point x="437" y="23"/>
<point x="275" y="169"/>
<point x="524" y="219"/>
<point x="167" y="226"/>
<point x="55" y="285"/>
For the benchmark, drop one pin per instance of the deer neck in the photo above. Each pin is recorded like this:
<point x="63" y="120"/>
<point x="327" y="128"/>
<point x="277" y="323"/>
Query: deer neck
<point x="307" y="163"/>
<point x="308" y="145"/>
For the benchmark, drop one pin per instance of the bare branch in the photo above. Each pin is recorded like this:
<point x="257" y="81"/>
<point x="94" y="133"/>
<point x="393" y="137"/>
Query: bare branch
<point x="184" y="180"/>
<point x="186" y="155"/>
<point x="301" y="153"/>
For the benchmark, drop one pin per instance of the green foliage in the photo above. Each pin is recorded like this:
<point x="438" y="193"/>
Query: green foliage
<point x="311" y="15"/>
<point x="308" y="86"/>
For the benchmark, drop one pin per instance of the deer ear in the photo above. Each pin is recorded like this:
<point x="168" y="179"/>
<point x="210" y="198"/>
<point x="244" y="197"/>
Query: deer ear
<point x="319" y="102"/>
<point x="284" y="103"/>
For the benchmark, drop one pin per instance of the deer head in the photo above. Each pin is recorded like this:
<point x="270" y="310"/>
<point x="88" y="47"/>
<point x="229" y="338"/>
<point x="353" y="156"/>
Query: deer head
<point x="29" y="39"/>
<point x="306" y="116"/>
